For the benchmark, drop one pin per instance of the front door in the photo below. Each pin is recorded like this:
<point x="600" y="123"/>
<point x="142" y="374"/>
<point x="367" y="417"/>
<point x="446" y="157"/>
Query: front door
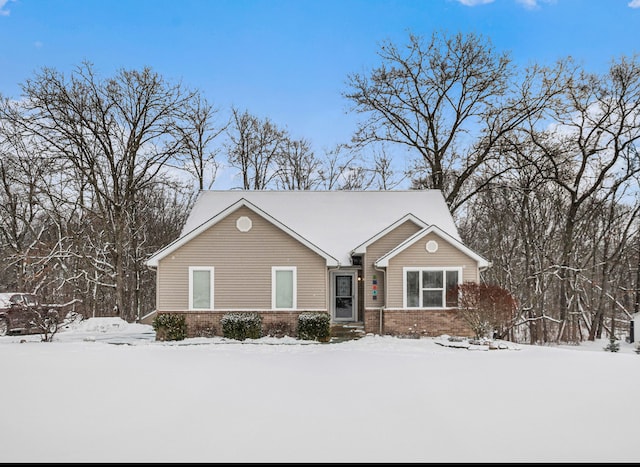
<point x="344" y="296"/>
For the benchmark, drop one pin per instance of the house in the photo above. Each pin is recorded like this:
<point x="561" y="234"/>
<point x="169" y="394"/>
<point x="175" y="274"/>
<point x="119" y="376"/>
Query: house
<point x="385" y="260"/>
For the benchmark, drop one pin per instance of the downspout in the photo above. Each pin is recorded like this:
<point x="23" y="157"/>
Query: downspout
<point x="385" y="296"/>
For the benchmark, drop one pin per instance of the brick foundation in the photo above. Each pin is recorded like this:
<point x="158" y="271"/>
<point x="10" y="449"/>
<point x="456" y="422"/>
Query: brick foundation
<point x="416" y="323"/>
<point x="408" y="323"/>
<point x="276" y="323"/>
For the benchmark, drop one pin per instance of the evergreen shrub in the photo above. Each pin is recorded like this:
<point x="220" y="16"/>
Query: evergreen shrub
<point x="613" y="345"/>
<point x="170" y="327"/>
<point x="314" y="325"/>
<point x="241" y="325"/>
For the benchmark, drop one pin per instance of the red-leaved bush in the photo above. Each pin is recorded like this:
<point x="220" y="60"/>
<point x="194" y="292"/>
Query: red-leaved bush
<point x="487" y="308"/>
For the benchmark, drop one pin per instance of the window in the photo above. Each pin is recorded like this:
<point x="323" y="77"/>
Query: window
<point x="283" y="288"/>
<point x="431" y="287"/>
<point x="200" y="288"/>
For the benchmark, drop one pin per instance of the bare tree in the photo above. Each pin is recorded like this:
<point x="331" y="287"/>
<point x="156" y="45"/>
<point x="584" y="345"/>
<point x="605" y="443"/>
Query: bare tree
<point x="590" y="155"/>
<point x="560" y="221"/>
<point x="386" y="176"/>
<point x="197" y="131"/>
<point x="117" y="134"/>
<point x="254" y="148"/>
<point x="24" y="170"/>
<point x="342" y="169"/>
<point x="297" y="166"/>
<point x="451" y="100"/>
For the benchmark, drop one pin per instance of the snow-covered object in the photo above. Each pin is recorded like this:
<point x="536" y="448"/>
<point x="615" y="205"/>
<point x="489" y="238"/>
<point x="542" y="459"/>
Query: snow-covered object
<point x="107" y="324"/>
<point x="322" y="218"/>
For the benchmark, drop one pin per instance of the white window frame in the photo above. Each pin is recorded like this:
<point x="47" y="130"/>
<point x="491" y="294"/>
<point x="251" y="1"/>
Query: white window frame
<point x="444" y="286"/>
<point x="294" y="269"/>
<point x="192" y="269"/>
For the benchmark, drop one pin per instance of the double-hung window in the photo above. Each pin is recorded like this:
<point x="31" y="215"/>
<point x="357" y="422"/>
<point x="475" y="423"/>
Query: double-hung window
<point x="283" y="287"/>
<point x="200" y="288"/>
<point x="431" y="287"/>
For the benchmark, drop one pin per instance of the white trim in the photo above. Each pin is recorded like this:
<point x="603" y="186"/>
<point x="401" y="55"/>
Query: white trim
<point x="244" y="224"/>
<point x="444" y="286"/>
<point x="211" y="294"/>
<point x="154" y="260"/>
<point x="362" y="248"/>
<point x="332" y="293"/>
<point x="274" y="269"/>
<point x="383" y="261"/>
<point x="431" y="246"/>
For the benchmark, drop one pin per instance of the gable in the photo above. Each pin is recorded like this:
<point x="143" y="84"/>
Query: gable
<point x="335" y="222"/>
<point x="243" y="262"/>
<point x="194" y="233"/>
<point x="362" y="248"/>
<point x="432" y="231"/>
<point x="379" y="245"/>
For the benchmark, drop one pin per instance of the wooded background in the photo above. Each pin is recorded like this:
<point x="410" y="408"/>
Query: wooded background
<point x="539" y="166"/>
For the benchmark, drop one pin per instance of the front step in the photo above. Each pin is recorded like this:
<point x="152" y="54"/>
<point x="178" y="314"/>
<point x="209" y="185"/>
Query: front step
<point x="346" y="331"/>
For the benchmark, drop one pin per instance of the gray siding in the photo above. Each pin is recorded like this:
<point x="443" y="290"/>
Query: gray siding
<point x="416" y="255"/>
<point x="242" y="262"/>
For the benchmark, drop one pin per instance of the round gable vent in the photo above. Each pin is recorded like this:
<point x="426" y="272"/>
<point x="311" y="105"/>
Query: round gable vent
<point x="244" y="224"/>
<point x="432" y="246"/>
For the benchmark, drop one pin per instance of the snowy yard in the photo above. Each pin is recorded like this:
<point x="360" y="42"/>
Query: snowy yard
<point x="105" y="391"/>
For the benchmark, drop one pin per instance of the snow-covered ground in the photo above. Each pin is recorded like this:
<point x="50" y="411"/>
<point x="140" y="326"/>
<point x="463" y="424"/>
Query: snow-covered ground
<point x="106" y="391"/>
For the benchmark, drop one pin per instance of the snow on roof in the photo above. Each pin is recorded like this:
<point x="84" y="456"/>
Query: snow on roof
<point x="335" y="221"/>
<point x="153" y="261"/>
<point x="383" y="261"/>
<point x="4" y="299"/>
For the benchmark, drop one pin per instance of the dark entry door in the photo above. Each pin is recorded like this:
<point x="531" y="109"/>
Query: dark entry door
<point x="344" y="303"/>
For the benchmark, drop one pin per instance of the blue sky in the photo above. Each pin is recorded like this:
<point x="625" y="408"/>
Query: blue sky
<point x="289" y="59"/>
